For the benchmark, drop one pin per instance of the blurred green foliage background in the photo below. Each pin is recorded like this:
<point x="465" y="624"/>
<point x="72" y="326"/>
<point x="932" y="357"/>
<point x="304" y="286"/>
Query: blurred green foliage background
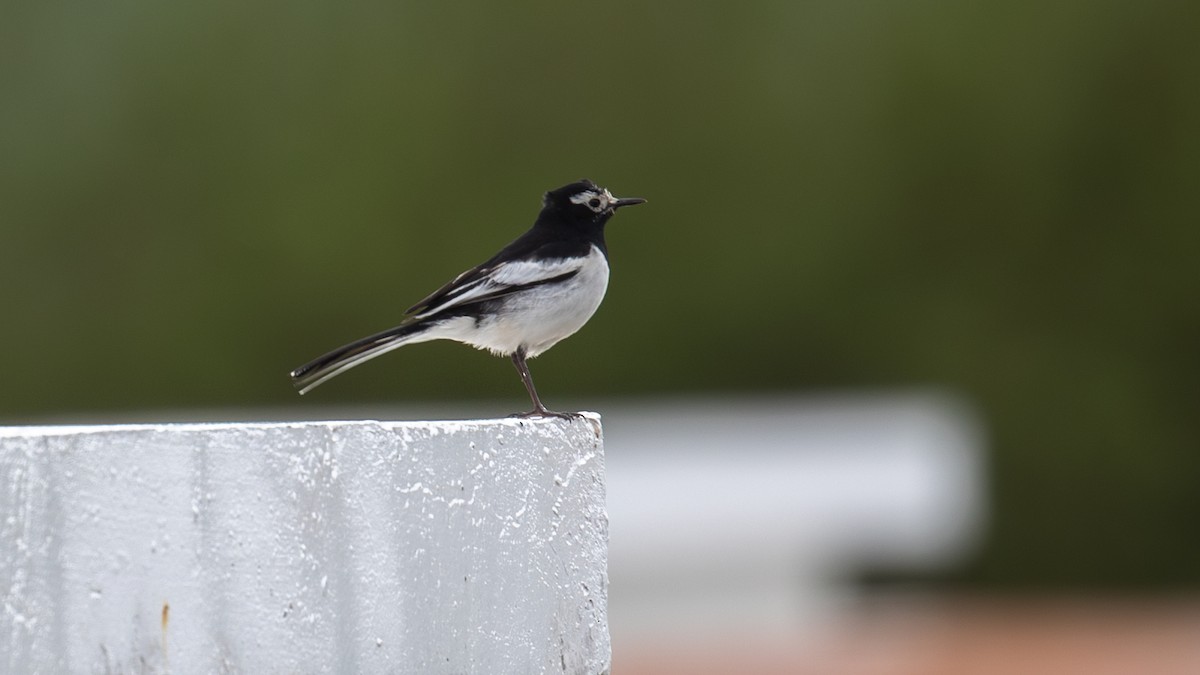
<point x="995" y="198"/>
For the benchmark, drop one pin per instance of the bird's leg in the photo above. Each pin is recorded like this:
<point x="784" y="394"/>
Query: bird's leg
<point x="539" y="410"/>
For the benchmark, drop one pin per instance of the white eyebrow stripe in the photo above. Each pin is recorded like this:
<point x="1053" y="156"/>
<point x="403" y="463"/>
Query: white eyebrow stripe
<point x="584" y="197"/>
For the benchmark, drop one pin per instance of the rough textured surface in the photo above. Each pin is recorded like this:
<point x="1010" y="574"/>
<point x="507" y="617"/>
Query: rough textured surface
<point x="445" y="547"/>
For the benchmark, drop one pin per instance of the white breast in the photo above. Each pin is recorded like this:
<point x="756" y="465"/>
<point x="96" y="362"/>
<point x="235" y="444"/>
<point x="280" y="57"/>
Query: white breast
<point x="539" y="318"/>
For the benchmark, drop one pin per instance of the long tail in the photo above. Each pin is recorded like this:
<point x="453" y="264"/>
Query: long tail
<point x="308" y="376"/>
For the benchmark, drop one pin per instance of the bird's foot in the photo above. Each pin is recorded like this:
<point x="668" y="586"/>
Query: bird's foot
<point x="542" y="413"/>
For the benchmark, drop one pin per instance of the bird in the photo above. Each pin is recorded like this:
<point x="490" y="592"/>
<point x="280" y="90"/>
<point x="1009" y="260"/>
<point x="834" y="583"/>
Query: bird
<point x="539" y="289"/>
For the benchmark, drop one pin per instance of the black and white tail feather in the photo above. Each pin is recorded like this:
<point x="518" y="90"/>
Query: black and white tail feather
<point x="462" y="297"/>
<point x="536" y="291"/>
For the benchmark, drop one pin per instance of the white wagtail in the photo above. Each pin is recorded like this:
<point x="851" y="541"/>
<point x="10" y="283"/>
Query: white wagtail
<point x="536" y="291"/>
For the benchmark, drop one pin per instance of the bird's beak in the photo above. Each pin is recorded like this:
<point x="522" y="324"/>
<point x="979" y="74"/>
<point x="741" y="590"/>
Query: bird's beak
<point x="627" y="201"/>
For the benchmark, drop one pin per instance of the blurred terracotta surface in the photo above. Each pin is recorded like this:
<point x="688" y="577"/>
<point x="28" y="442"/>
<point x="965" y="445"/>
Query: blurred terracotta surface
<point x="961" y="636"/>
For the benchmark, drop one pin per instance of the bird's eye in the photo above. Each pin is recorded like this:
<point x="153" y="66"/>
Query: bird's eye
<point x="594" y="203"/>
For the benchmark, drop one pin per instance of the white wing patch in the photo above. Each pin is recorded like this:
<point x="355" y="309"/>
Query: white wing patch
<point x="504" y="276"/>
<point x="521" y="272"/>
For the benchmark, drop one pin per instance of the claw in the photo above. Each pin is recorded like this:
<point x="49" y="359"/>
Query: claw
<point x="543" y="413"/>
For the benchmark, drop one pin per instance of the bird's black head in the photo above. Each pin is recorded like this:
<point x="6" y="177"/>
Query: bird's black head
<point x="584" y="202"/>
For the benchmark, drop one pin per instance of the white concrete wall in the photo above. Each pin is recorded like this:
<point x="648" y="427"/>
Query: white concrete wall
<point x="448" y="547"/>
